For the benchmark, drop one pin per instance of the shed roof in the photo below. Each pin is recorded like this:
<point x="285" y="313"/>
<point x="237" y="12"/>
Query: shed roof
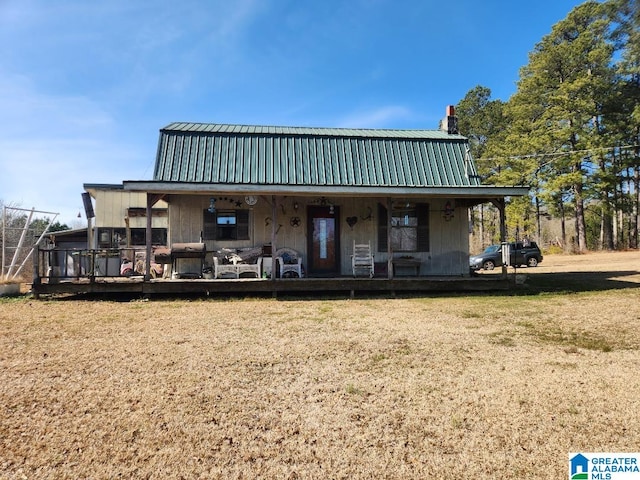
<point x="205" y="153"/>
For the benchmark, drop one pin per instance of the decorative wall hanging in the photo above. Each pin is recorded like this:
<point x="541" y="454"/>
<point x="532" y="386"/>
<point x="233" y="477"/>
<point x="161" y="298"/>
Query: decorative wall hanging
<point x="267" y="222"/>
<point x="250" y="200"/>
<point x="448" y="211"/>
<point x="351" y="221"/>
<point x="368" y="216"/>
<point x="231" y="200"/>
<point x="295" y="222"/>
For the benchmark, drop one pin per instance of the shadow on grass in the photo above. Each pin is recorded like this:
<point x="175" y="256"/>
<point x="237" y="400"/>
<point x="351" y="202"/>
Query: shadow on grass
<point x="574" y="282"/>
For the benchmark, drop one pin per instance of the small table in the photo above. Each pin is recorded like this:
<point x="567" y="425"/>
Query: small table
<point x="406" y="263"/>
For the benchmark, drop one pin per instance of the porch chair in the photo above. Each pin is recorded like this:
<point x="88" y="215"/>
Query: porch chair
<point x="237" y="268"/>
<point x="362" y="260"/>
<point x="222" y="270"/>
<point x="289" y="262"/>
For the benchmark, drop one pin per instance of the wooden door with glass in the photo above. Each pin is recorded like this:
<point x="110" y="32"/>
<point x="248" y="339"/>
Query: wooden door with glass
<point x="323" y="234"/>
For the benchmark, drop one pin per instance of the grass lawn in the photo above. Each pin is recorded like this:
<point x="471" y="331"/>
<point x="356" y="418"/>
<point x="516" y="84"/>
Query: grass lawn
<point x="443" y="386"/>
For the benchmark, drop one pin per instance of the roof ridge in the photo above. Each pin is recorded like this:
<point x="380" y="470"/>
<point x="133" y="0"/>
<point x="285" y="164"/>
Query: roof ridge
<point x="228" y="128"/>
<point x="302" y="127"/>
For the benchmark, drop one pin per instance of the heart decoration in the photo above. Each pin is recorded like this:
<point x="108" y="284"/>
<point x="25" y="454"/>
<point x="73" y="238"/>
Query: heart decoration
<point x="351" y="221"/>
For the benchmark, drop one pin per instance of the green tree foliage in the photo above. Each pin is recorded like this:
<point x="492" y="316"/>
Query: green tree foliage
<point x="39" y="225"/>
<point x="558" y="107"/>
<point x="569" y="130"/>
<point x="481" y="120"/>
<point x="624" y="127"/>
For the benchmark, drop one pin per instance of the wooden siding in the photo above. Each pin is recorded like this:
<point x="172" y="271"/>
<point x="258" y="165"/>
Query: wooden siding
<point x="449" y="243"/>
<point x="111" y="209"/>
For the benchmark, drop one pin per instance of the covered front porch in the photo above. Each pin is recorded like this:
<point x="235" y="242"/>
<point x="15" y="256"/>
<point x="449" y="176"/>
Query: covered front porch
<point x="124" y="271"/>
<point x="410" y="235"/>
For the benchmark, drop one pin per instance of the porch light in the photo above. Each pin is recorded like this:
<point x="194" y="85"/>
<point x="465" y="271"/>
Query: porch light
<point x="324" y="202"/>
<point x="212" y="205"/>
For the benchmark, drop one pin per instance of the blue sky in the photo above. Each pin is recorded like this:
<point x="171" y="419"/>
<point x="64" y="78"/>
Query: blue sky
<point x="85" y="86"/>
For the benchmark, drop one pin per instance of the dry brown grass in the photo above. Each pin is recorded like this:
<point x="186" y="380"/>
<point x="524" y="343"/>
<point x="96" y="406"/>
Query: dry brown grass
<point x="444" y="387"/>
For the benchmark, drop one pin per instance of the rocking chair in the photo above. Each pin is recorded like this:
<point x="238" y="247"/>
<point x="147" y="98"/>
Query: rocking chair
<point x="362" y="259"/>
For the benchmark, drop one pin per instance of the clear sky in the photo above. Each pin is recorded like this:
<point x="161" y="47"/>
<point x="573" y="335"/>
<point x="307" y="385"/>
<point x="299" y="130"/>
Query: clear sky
<point x="85" y="86"/>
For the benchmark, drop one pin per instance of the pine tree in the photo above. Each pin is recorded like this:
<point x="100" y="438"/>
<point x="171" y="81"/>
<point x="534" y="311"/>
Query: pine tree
<point x="558" y="108"/>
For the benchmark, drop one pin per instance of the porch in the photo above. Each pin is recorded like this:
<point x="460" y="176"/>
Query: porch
<point x="259" y="286"/>
<point x="122" y="271"/>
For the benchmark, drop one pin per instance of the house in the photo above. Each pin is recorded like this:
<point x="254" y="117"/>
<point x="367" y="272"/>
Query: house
<point x="314" y="191"/>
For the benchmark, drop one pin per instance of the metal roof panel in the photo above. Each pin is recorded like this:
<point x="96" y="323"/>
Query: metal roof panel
<point x="244" y="154"/>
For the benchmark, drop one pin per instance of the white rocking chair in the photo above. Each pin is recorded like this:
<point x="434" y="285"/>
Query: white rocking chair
<point x="362" y="259"/>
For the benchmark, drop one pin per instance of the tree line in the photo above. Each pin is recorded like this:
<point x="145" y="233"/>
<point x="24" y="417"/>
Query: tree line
<point x="571" y="132"/>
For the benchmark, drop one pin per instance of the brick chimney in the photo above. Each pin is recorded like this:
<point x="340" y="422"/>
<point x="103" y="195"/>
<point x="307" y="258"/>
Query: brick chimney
<point x="449" y="123"/>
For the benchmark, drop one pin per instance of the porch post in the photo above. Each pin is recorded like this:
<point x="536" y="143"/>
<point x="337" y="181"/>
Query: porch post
<point x="389" y="246"/>
<point x="91" y="250"/>
<point x="147" y="261"/>
<point x="36" y="264"/>
<point x="274" y="223"/>
<point x="499" y="203"/>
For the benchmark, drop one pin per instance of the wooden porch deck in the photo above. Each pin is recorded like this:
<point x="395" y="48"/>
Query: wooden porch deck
<point x="258" y="286"/>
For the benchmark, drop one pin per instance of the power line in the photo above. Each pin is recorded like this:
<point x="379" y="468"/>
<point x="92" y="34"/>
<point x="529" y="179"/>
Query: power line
<point x="559" y="154"/>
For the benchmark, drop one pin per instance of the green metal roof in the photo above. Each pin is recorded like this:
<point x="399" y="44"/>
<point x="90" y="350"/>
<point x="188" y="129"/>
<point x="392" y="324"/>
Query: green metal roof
<point x="300" y="156"/>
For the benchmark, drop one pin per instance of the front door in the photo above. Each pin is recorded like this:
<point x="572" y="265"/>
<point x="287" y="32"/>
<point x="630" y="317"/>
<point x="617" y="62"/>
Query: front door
<point x="323" y="232"/>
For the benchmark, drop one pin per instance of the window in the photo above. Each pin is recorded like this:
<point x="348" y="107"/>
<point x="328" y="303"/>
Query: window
<point x="158" y="236"/>
<point x="138" y="236"/>
<point x="112" y="237"/>
<point x="117" y="237"/>
<point x="409" y="227"/>
<point x="404" y="229"/>
<point x="226" y="225"/>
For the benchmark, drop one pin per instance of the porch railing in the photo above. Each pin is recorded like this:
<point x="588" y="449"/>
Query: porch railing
<point x="69" y="264"/>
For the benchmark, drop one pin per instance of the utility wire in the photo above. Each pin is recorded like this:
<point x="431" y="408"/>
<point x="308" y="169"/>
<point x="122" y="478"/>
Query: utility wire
<point x="558" y="154"/>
